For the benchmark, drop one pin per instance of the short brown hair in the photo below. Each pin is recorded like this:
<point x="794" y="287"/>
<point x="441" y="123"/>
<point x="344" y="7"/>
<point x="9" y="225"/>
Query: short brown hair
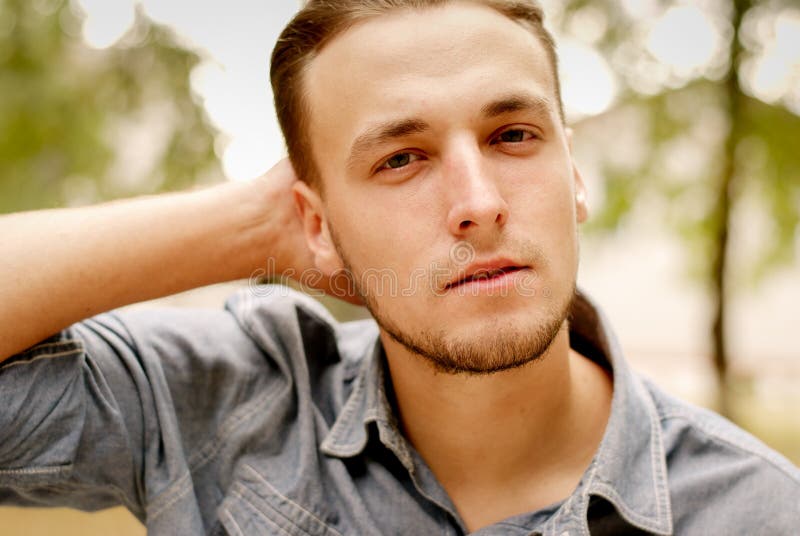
<point x="319" y="21"/>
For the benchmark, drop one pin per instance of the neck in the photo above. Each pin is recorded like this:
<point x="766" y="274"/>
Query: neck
<point x="540" y="423"/>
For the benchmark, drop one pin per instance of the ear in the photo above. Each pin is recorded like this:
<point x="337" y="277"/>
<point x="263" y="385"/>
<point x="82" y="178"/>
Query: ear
<point x="581" y="203"/>
<point x="316" y="228"/>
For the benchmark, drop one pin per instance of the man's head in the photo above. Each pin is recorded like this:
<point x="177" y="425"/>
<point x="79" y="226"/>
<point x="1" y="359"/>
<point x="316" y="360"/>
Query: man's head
<point x="319" y="21"/>
<point x="449" y="192"/>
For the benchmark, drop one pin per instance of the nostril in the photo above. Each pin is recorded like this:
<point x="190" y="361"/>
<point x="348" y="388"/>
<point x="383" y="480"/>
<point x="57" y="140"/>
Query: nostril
<point x="465" y="224"/>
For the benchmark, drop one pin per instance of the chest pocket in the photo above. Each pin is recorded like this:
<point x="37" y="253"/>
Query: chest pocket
<point x="254" y="507"/>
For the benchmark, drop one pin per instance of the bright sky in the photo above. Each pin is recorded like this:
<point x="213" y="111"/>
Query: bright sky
<point x="236" y="38"/>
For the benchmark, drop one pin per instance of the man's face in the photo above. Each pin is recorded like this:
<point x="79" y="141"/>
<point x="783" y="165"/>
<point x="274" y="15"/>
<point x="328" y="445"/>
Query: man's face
<point x="450" y="191"/>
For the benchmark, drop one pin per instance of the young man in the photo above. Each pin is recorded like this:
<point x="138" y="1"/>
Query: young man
<point x="488" y="396"/>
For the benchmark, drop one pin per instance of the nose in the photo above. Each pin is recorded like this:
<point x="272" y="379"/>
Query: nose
<point x="476" y="204"/>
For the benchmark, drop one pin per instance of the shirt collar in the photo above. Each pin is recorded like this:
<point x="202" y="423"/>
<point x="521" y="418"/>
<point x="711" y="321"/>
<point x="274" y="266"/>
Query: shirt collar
<point x="366" y="404"/>
<point x="629" y="468"/>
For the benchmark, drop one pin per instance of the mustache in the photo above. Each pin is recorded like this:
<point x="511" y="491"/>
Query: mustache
<point x="522" y="252"/>
<point x="438" y="273"/>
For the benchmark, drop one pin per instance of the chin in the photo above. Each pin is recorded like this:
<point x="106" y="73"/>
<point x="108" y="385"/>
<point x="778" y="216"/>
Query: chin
<point x="480" y="344"/>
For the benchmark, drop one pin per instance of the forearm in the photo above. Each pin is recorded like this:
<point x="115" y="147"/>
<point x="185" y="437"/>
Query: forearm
<point x="60" y="266"/>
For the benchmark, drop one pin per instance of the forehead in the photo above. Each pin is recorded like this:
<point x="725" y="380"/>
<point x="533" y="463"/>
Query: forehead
<point x="438" y="64"/>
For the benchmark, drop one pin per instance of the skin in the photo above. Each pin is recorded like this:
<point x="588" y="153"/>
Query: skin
<point x="487" y="388"/>
<point x="60" y="266"/>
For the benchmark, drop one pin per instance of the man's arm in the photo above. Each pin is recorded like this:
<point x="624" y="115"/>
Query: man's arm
<point x="60" y="266"/>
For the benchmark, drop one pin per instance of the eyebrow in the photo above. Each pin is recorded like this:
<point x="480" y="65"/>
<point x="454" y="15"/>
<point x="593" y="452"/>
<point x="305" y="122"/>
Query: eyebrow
<point x="394" y="129"/>
<point x="516" y="102"/>
<point x="383" y="132"/>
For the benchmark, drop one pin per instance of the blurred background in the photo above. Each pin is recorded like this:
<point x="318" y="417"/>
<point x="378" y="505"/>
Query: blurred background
<point x="687" y="132"/>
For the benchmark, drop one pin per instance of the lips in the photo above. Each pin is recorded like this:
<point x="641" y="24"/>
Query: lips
<point x="484" y="272"/>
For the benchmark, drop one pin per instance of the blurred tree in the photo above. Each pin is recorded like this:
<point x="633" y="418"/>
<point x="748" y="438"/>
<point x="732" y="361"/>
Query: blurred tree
<point x="80" y="125"/>
<point x="747" y="149"/>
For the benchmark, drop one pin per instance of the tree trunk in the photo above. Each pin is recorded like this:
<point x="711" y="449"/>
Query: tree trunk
<point x="721" y="215"/>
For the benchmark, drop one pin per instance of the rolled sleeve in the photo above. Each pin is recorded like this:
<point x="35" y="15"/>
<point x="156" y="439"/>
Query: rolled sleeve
<point x="108" y="411"/>
<point x="65" y="438"/>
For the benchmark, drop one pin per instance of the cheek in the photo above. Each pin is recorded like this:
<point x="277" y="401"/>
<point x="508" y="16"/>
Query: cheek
<point x="374" y="236"/>
<point x="542" y="194"/>
<point x="542" y="208"/>
<point x="391" y="217"/>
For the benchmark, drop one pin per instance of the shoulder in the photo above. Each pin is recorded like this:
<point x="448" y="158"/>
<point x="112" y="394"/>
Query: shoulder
<point x="721" y="476"/>
<point x="282" y="320"/>
<point x="262" y="319"/>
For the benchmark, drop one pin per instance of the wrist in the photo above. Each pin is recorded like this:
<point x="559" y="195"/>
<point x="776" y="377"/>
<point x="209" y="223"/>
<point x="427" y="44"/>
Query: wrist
<point x="241" y="210"/>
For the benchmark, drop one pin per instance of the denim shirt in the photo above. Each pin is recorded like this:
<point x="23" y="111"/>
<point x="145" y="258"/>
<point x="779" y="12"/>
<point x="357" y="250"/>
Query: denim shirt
<point x="269" y="417"/>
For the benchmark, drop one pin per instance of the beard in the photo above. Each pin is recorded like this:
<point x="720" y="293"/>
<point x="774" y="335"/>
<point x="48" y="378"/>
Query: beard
<point x="492" y="349"/>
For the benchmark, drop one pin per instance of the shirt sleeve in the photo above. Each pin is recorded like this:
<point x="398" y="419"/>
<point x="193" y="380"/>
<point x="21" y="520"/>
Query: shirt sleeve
<point x="113" y="410"/>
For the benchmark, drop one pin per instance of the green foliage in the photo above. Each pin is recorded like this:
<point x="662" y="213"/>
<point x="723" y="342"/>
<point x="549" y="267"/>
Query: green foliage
<point x="69" y="114"/>
<point x="770" y="156"/>
<point x="698" y="115"/>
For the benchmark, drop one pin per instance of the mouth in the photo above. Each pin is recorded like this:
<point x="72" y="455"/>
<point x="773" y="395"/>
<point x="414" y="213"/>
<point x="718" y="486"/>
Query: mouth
<point x="481" y="274"/>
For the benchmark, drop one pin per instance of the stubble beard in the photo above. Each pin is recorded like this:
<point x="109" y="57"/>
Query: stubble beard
<point x="489" y="350"/>
<point x="492" y="349"/>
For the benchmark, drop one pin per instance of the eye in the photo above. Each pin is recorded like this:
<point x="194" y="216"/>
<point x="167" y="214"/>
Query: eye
<point x="514" y="135"/>
<point x="398" y="161"/>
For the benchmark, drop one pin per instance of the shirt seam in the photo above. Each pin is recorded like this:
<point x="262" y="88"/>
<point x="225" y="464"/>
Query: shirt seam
<point x="77" y="349"/>
<point x="601" y="486"/>
<point x="172" y="492"/>
<point x="233" y="520"/>
<point x="37" y="470"/>
<point x="338" y="441"/>
<point x="213" y="446"/>
<point x="260" y="513"/>
<point x="177" y="489"/>
<point x="73" y="346"/>
<point x="272" y="489"/>
<point x="116" y="491"/>
<point x="658" y="458"/>
<point x="170" y="496"/>
<point x="710" y="431"/>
